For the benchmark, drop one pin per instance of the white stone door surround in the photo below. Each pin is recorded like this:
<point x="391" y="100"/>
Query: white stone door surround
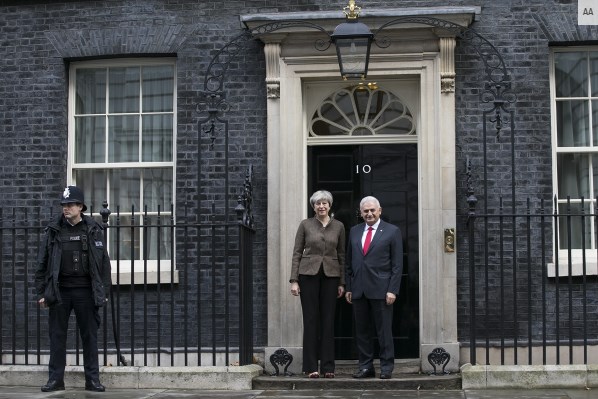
<point x="417" y="51"/>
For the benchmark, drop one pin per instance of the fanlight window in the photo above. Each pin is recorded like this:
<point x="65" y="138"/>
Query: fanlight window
<point x="362" y="111"/>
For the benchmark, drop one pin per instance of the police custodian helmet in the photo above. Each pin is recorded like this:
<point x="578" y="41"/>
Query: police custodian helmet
<point x="73" y="194"/>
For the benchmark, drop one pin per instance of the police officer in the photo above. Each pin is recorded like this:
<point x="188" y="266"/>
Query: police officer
<point x="73" y="273"/>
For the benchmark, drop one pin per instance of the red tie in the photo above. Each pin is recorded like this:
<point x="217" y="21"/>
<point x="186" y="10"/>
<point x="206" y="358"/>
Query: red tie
<point x="368" y="240"/>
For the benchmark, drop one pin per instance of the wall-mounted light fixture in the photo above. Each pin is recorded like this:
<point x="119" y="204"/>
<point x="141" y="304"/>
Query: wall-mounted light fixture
<point x="352" y="40"/>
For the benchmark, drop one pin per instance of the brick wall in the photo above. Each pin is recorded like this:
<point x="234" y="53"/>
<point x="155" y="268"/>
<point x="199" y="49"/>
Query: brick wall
<point x="39" y="38"/>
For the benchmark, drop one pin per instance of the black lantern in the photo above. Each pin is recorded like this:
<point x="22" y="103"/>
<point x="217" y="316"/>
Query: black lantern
<point x="353" y="40"/>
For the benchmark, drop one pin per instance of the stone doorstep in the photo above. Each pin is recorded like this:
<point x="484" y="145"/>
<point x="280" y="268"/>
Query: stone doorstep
<point x="529" y="377"/>
<point x="398" y="381"/>
<point x="205" y="377"/>
<point x="348" y="367"/>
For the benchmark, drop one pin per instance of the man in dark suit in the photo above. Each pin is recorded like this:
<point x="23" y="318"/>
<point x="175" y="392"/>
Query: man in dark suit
<point x="373" y="268"/>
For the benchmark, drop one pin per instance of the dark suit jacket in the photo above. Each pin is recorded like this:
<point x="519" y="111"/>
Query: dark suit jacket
<point x="316" y="245"/>
<point x="379" y="271"/>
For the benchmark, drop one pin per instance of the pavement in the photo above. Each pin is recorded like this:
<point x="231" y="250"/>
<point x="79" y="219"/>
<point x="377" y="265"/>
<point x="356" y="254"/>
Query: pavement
<point x="8" y="392"/>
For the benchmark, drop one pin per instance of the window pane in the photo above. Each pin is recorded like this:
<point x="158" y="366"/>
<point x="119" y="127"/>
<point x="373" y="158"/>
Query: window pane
<point x="572" y="123"/>
<point x="329" y="121"/>
<point x="124" y="90"/>
<point x="90" y="94"/>
<point x="158" y="237"/>
<point x="157" y="189"/>
<point x="366" y="105"/>
<point x="594" y="72"/>
<point x="344" y="105"/>
<point x="123" y="136"/>
<point x="128" y="239"/>
<point x="90" y="139"/>
<point x="158" y="88"/>
<point x="157" y="138"/>
<point x="573" y="225"/>
<point x="93" y="184"/>
<point x="392" y="118"/>
<point x="573" y="175"/>
<point x="153" y="231"/>
<point x="571" y="74"/>
<point x="124" y="189"/>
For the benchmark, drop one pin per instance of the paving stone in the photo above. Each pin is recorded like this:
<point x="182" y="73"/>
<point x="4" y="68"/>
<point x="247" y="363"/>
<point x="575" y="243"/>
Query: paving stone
<point x="35" y="393"/>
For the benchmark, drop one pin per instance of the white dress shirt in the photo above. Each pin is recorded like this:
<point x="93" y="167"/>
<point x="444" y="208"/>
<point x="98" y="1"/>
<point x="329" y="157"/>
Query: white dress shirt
<point x="365" y="231"/>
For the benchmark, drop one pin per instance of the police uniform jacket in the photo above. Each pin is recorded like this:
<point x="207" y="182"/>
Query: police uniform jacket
<point x="315" y="246"/>
<point x="49" y="261"/>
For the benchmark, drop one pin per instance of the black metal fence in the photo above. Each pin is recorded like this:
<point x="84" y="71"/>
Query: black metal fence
<point x="188" y="300"/>
<point x="527" y="302"/>
<point x="520" y="301"/>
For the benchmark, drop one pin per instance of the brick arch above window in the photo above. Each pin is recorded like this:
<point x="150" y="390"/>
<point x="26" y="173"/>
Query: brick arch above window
<point x="83" y="43"/>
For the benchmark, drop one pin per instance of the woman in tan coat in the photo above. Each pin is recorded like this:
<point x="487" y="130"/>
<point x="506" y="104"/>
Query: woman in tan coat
<point x="318" y="277"/>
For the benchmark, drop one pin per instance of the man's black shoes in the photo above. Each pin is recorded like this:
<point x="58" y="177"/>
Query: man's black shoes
<point x="385" y="376"/>
<point x="53" y="385"/>
<point x="94" y="385"/>
<point x="365" y="373"/>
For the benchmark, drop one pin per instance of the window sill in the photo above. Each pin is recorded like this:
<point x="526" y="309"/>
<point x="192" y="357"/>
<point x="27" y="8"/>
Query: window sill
<point x="576" y="268"/>
<point x="141" y="278"/>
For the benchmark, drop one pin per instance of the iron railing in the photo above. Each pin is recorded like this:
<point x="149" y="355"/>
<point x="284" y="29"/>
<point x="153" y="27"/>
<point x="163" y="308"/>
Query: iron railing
<point x="527" y="303"/>
<point x="193" y="308"/>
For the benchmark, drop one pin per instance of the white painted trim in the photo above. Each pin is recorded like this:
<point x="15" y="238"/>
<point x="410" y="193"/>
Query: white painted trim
<point x="105" y="63"/>
<point x="563" y="254"/>
<point x="125" y="277"/>
<point x="416" y="54"/>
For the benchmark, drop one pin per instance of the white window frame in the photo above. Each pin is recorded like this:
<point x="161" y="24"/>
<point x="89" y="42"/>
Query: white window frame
<point x="139" y="265"/>
<point x="576" y="255"/>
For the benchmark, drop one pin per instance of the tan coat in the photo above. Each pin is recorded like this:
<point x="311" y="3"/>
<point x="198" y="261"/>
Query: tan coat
<point x="317" y="245"/>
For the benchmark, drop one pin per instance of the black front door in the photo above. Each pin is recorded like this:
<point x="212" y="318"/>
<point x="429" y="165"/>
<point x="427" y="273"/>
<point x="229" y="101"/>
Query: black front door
<point x="389" y="173"/>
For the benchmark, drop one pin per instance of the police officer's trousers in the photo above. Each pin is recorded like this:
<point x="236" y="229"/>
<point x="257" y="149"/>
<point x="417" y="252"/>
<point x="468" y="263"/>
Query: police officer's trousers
<point x="88" y="320"/>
